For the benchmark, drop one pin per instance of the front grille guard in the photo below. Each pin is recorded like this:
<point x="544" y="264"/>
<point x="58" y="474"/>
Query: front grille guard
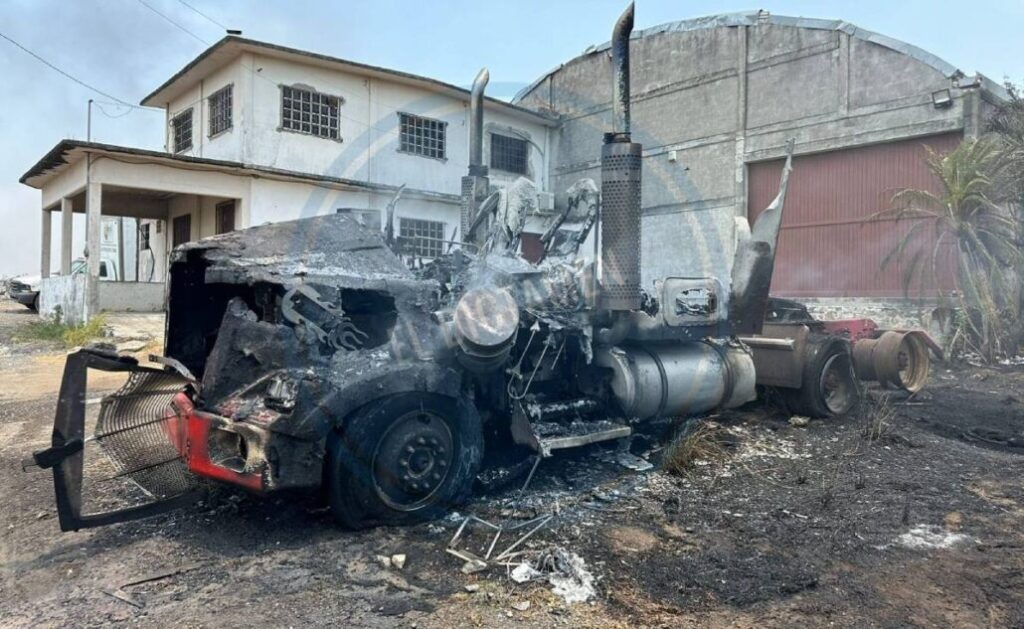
<point x="138" y="431"/>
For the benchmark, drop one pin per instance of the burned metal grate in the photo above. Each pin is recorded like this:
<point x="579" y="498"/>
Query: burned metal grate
<point x="135" y="428"/>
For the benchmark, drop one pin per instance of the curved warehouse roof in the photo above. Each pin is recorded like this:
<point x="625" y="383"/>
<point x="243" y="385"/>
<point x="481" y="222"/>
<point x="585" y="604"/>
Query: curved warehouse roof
<point x="753" y="18"/>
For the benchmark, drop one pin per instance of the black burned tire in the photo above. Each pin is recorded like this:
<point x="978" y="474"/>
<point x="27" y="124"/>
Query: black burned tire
<point x="829" y="385"/>
<point x="402" y="459"/>
<point x="35" y="304"/>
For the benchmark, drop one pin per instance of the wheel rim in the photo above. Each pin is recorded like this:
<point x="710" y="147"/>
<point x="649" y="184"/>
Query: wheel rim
<point x="412" y="460"/>
<point x="836" y="384"/>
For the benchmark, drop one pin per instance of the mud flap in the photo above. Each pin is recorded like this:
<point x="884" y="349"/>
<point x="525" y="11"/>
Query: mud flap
<point x="135" y="444"/>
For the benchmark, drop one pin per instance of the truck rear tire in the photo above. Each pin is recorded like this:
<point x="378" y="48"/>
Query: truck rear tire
<point x="402" y="459"/>
<point x="829" y="386"/>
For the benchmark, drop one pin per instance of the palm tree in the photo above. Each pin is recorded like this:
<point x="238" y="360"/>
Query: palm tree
<point x="970" y="213"/>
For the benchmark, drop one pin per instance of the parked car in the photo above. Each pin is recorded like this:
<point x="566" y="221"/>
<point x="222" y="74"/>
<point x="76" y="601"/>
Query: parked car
<point x="24" y="289"/>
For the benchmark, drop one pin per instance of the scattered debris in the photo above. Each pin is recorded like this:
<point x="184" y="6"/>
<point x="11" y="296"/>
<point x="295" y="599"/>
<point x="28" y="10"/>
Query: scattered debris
<point x="132" y="346"/>
<point x="521" y="606"/>
<point x="398" y="561"/>
<point x="124" y="597"/>
<point x="924" y="537"/>
<point x="473" y="566"/>
<point x="162" y="574"/>
<point x="384" y="560"/>
<point x="799" y="421"/>
<point x="472" y="587"/>
<point x="633" y="462"/>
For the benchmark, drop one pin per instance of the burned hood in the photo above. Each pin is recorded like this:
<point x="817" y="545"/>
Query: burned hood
<point x="337" y="249"/>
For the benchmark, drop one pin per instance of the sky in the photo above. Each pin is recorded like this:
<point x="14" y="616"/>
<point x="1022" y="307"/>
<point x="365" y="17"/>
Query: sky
<point x="124" y="48"/>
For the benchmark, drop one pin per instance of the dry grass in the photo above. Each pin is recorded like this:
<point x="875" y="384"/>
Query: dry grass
<point x="66" y="334"/>
<point x="704" y="442"/>
<point x="880" y="416"/>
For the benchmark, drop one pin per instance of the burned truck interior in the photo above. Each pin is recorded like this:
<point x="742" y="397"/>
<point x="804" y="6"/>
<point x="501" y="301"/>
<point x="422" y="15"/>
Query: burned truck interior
<point x="311" y="353"/>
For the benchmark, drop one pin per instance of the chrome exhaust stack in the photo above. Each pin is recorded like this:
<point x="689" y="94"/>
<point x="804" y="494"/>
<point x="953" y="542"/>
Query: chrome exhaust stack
<point x="475" y="184"/>
<point x="620" y="187"/>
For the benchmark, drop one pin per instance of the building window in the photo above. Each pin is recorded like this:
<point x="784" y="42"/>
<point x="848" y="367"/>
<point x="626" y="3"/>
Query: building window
<point x="421" y="136"/>
<point x="421" y="238"/>
<point x="144" y="237"/>
<point x="225" y="217"/>
<point x="181" y="126"/>
<point x="306" y="111"/>
<point x="220" y="111"/>
<point x="181" y="229"/>
<point x="509" y="154"/>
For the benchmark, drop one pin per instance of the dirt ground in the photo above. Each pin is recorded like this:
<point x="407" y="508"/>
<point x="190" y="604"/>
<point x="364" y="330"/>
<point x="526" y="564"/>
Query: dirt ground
<point x="910" y="513"/>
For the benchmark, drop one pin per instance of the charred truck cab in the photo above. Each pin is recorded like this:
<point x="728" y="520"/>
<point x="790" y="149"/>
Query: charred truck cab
<point x="309" y="353"/>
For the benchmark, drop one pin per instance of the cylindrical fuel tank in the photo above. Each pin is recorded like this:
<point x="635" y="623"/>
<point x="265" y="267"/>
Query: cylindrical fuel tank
<point x="676" y="379"/>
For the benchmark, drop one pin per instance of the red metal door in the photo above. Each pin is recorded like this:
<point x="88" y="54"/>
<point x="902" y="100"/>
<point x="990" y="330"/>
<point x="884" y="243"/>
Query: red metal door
<point x="829" y="246"/>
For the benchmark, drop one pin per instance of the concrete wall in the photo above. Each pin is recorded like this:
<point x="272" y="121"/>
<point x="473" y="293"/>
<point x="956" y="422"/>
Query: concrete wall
<point x="131" y="296"/>
<point x="66" y="294"/>
<point x="708" y="101"/>
<point x="368" y="147"/>
<point x="226" y="145"/>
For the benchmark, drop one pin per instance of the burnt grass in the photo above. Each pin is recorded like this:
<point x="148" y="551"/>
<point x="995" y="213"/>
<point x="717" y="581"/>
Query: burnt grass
<point x="811" y="536"/>
<point x="794" y="526"/>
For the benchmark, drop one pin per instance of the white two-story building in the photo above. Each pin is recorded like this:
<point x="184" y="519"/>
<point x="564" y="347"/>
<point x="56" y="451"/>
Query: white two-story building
<point x="260" y="133"/>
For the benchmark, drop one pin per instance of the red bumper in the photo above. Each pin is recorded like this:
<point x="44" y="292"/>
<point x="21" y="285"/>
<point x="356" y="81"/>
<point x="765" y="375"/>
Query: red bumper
<point x="189" y="430"/>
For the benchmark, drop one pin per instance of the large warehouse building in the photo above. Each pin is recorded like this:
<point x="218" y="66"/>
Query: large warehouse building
<point x="715" y="101"/>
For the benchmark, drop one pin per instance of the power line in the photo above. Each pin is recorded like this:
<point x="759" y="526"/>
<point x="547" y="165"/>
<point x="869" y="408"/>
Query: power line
<point x="203" y="15"/>
<point x="67" y="75"/>
<point x="108" y="114"/>
<point x="179" y="26"/>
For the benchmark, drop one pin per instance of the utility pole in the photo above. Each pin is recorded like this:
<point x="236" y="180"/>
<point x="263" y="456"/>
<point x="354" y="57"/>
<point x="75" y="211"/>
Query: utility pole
<point x="88" y="123"/>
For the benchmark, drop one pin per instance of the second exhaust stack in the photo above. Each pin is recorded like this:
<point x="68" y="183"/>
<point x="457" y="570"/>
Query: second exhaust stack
<point x="620" y="187"/>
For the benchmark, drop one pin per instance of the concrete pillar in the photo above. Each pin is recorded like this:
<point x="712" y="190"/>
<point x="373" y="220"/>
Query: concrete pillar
<point x="740" y="174"/>
<point x="972" y="113"/>
<point x="44" y="262"/>
<point x="93" y="222"/>
<point x="844" y="74"/>
<point x="66" y="228"/>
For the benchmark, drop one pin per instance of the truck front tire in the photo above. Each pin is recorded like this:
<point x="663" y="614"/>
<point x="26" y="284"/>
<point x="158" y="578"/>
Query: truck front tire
<point x="401" y="459"/>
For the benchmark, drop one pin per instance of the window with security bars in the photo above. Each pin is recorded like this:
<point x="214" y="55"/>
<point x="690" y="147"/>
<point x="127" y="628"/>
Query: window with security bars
<point x="509" y="154"/>
<point x="181" y="126"/>
<point x="421" y="136"/>
<point x="181" y="229"/>
<point x="306" y="111"/>
<point x="220" y="111"/>
<point x="420" y="237"/>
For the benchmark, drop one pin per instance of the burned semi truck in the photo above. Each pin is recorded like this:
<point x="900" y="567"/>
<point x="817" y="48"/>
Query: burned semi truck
<point x="311" y="353"/>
